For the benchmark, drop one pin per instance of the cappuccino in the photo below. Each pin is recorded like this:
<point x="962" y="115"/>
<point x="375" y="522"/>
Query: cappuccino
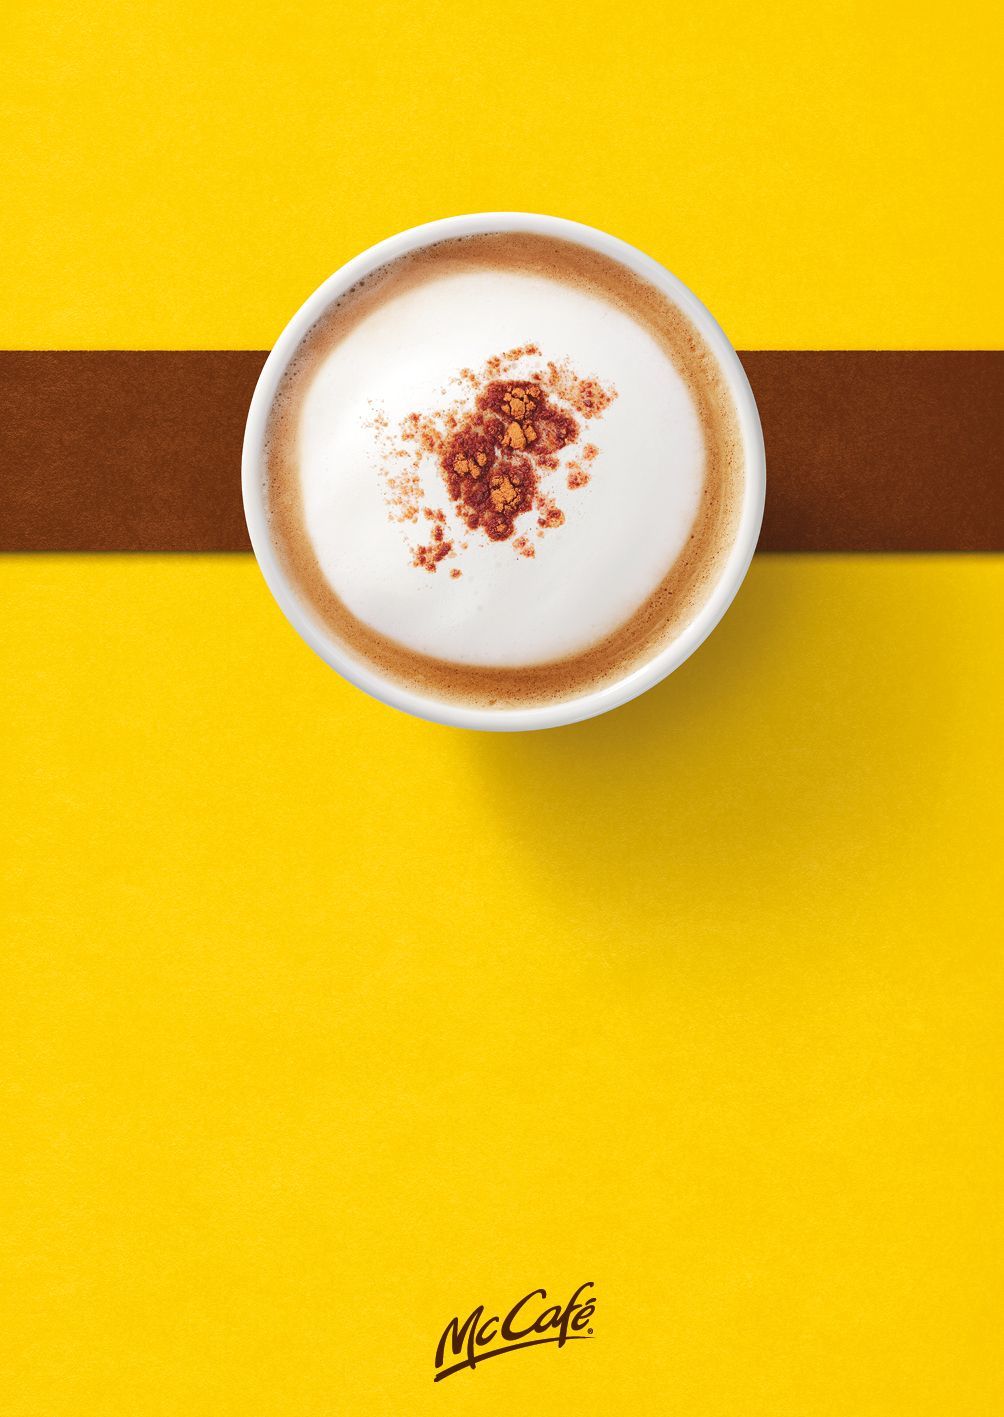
<point x="503" y="470"/>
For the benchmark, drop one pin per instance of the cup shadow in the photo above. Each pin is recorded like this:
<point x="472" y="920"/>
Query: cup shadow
<point x="727" y="769"/>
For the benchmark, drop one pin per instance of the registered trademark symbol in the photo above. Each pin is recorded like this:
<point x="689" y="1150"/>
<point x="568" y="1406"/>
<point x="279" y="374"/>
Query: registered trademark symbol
<point x="589" y="1330"/>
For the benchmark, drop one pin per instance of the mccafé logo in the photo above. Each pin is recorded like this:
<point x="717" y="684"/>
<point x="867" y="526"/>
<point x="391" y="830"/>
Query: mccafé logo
<point x="526" y="1325"/>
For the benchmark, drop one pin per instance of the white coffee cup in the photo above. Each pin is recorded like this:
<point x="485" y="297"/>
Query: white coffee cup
<point x="640" y="676"/>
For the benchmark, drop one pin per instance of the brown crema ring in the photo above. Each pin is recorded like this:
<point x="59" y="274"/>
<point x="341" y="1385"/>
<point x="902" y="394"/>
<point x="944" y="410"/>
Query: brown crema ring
<point x="670" y="606"/>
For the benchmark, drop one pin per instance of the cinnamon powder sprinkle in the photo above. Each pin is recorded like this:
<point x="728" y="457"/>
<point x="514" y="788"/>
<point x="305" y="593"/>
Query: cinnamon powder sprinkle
<point x="551" y="515"/>
<point x="492" y="453"/>
<point x="428" y="557"/>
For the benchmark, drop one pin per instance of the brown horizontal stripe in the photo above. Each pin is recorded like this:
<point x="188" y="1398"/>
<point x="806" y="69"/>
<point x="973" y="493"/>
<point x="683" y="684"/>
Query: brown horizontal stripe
<point x="140" y="451"/>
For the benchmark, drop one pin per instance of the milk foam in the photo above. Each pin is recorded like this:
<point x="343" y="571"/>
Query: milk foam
<point x="622" y="533"/>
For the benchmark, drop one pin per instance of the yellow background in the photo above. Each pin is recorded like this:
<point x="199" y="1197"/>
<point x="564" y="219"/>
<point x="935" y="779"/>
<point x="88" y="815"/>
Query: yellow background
<point x="184" y="174"/>
<point x="320" y="1025"/>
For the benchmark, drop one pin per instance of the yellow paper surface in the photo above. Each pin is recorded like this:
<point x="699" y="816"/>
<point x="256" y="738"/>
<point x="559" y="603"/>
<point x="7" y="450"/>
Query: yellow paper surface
<point x="184" y="174"/>
<point x="323" y="1024"/>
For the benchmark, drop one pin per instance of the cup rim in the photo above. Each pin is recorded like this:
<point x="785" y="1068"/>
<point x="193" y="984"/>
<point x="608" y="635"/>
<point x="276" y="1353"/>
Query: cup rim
<point x="640" y="677"/>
